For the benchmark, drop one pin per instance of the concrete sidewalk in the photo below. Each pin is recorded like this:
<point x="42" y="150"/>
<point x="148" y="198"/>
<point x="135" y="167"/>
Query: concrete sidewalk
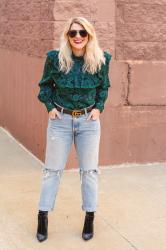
<point x="131" y="212"/>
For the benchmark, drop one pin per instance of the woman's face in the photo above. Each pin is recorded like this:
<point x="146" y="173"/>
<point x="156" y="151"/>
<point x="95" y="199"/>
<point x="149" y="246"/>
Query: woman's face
<point x="78" y="42"/>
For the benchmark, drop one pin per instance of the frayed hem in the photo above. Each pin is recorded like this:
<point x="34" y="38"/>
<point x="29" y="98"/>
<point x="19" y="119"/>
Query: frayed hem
<point x="45" y="209"/>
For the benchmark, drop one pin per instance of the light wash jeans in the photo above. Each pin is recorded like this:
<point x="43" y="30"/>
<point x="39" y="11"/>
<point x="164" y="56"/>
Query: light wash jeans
<point x="60" y="135"/>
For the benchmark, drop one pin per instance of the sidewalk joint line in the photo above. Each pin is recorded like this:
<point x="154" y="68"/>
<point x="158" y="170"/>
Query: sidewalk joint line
<point x="113" y="228"/>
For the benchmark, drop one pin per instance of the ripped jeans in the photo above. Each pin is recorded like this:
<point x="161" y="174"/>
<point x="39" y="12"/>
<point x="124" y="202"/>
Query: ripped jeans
<point x="60" y="135"/>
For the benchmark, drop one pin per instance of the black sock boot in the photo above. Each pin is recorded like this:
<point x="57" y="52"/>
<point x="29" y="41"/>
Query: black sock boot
<point x="42" y="226"/>
<point x="87" y="232"/>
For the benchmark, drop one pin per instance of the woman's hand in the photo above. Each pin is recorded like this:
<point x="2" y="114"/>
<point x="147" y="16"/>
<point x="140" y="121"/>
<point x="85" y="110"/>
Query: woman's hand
<point x="54" y="113"/>
<point x="94" y="114"/>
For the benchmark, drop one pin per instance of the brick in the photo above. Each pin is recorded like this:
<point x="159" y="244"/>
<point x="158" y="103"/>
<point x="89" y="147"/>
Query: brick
<point x="119" y="84"/>
<point x="62" y="10"/>
<point x="23" y="10"/>
<point x="105" y="30"/>
<point x="104" y="11"/>
<point x="133" y="134"/>
<point x="147" y="84"/>
<point x="143" y="33"/>
<point x="36" y="47"/>
<point x="21" y="28"/>
<point x="140" y="50"/>
<point x="45" y="45"/>
<point x="3" y="11"/>
<point x="26" y="46"/>
<point x="93" y="6"/>
<point x="55" y="44"/>
<point x="119" y="17"/>
<point x="144" y="13"/>
<point x="5" y="42"/>
<point x="47" y="10"/>
<point x="2" y="42"/>
<point x="142" y="1"/>
<point x="58" y="28"/>
<point x="111" y="47"/>
<point x="47" y="30"/>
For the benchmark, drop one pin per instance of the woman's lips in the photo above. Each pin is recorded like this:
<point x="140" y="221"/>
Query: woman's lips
<point x="78" y="42"/>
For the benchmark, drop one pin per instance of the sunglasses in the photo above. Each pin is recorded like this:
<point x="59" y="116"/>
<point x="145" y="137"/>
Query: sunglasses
<point x="73" y="33"/>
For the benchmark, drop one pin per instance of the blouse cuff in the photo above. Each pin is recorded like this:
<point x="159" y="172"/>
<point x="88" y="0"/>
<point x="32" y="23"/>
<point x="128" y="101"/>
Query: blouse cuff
<point x="99" y="106"/>
<point x="49" y="106"/>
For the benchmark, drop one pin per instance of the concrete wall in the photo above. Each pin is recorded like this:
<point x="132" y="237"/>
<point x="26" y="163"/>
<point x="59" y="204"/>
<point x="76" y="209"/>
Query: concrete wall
<point x="133" y="123"/>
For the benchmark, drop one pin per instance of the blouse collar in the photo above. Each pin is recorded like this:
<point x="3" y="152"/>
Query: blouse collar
<point x="77" y="57"/>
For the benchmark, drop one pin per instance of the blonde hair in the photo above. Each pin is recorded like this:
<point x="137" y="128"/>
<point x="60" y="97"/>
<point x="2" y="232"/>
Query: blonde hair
<point x="93" y="57"/>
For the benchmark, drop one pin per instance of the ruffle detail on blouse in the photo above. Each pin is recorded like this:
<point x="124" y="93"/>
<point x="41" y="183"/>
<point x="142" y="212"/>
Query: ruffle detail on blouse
<point x="75" y="78"/>
<point x="53" y="55"/>
<point x="108" y="57"/>
<point x="103" y="73"/>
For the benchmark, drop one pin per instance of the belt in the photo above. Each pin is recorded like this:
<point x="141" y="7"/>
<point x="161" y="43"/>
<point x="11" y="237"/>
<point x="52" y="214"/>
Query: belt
<point x="75" y="112"/>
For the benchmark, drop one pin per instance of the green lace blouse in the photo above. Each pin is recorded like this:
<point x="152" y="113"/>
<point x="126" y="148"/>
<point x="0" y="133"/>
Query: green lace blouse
<point x="75" y="90"/>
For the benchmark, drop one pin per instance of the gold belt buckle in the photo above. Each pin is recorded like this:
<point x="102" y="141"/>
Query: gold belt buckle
<point x="76" y="113"/>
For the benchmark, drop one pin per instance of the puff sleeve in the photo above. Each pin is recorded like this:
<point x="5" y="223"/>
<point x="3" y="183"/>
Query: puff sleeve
<point x="102" y="89"/>
<point x="46" y="84"/>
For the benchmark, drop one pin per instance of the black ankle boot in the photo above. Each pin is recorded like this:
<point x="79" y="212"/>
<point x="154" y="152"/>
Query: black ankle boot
<point x="87" y="232"/>
<point x="42" y="226"/>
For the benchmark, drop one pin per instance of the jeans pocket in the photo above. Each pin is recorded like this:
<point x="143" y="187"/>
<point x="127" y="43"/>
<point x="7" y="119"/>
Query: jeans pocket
<point x="95" y="120"/>
<point x="57" y="117"/>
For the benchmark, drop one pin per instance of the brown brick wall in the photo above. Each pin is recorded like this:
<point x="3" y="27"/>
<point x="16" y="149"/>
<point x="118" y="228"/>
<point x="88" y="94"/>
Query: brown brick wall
<point x="22" y="26"/>
<point x="141" y="30"/>
<point x="33" y="26"/>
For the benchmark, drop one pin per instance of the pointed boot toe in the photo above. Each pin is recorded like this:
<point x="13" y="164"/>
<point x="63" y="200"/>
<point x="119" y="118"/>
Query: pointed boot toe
<point x="41" y="237"/>
<point x="87" y="236"/>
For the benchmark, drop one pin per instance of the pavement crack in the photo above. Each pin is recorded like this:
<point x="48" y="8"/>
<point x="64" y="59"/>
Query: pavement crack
<point x="122" y="236"/>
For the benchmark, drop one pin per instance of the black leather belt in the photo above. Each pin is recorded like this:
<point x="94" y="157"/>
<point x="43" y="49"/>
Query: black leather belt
<point x="75" y="112"/>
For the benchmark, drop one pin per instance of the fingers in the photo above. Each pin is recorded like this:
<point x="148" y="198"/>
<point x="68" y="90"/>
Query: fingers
<point x="93" y="115"/>
<point x="89" y="117"/>
<point x="52" y="116"/>
<point x="58" y="115"/>
<point x="54" y="113"/>
<point x="94" y="118"/>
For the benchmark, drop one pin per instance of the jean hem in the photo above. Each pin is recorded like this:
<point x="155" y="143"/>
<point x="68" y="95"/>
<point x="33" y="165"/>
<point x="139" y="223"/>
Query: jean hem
<point x="46" y="209"/>
<point x="89" y="209"/>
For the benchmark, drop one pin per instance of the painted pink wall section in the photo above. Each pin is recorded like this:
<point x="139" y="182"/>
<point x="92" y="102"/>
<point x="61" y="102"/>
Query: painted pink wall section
<point x="134" y="120"/>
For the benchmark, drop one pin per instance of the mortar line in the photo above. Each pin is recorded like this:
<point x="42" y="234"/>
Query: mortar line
<point x="128" y="85"/>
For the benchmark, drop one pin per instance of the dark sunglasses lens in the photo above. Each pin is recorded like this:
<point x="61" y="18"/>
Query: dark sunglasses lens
<point x="83" y="33"/>
<point x="72" y="33"/>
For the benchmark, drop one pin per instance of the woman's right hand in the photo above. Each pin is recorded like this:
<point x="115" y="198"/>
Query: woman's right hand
<point x="54" y="113"/>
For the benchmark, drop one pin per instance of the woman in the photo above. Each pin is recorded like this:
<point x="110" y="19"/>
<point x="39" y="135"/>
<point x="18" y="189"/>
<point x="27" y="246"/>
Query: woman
<point x="74" y="88"/>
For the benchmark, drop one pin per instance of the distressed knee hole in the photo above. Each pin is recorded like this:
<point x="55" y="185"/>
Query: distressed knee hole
<point x="88" y="172"/>
<point x="50" y="172"/>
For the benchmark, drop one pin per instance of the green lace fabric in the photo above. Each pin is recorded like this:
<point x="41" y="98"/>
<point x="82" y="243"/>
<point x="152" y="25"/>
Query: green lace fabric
<point x="75" y="90"/>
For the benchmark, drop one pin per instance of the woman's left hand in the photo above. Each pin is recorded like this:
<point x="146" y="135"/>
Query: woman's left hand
<point x="94" y="114"/>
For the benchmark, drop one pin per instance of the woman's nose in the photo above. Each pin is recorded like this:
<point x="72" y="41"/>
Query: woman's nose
<point x="78" y="34"/>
